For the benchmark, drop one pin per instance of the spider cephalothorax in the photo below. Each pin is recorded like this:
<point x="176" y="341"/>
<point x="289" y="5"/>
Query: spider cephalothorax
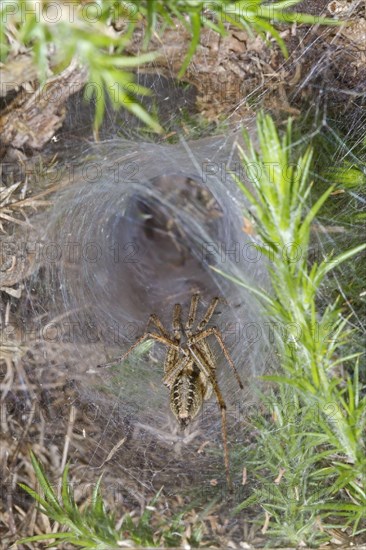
<point x="189" y="367"/>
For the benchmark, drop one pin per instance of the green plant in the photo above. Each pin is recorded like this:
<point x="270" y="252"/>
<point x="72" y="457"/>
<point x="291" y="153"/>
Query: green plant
<point x="57" y="33"/>
<point x="342" y="218"/>
<point x="93" y="527"/>
<point x="314" y="432"/>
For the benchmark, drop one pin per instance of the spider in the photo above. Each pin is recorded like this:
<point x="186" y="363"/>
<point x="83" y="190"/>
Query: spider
<point x="189" y="367"/>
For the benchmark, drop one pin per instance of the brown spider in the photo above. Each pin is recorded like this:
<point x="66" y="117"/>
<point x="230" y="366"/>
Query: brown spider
<point x="189" y="367"/>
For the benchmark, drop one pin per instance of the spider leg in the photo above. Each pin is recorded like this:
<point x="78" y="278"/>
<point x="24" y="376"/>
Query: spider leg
<point x="192" y="313"/>
<point x="222" y="406"/>
<point x="154" y="320"/>
<point x="215" y="332"/>
<point x="209" y="313"/>
<point x="177" y="322"/>
<point x="201" y="364"/>
<point x="173" y="370"/>
<point x="162" y="339"/>
<point x="172" y="355"/>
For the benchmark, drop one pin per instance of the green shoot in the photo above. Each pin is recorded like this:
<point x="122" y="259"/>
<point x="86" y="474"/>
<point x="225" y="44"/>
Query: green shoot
<point x="92" y="526"/>
<point x="315" y="433"/>
<point x="97" y="34"/>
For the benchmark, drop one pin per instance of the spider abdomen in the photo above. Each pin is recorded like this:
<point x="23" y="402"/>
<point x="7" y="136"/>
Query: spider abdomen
<point x="186" y="396"/>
